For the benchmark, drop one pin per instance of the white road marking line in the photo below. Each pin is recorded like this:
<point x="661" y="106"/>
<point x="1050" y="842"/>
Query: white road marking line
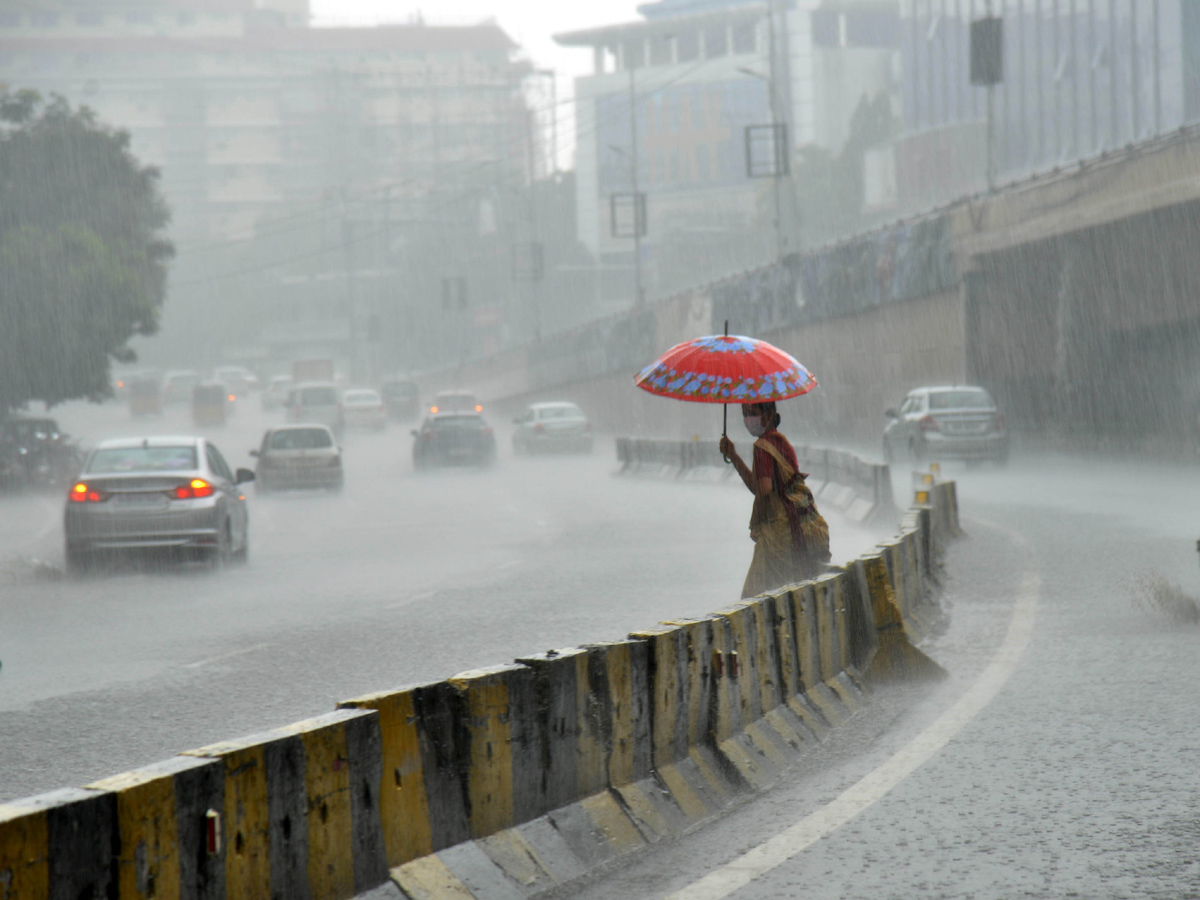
<point x="774" y="852"/>
<point x="231" y="653"/>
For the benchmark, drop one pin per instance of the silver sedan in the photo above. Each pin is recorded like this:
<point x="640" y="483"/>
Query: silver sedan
<point x="166" y="494"/>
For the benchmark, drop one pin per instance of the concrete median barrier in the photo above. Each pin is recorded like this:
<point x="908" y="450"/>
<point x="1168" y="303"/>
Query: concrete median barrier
<point x="512" y="780"/>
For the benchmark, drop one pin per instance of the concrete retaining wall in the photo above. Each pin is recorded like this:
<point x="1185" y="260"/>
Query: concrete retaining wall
<point x="510" y="780"/>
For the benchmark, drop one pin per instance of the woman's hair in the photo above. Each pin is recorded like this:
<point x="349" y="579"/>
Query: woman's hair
<point x="758" y="409"/>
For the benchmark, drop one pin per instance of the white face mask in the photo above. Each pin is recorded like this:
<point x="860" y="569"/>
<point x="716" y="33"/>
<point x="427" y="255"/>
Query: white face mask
<point x="754" y="425"/>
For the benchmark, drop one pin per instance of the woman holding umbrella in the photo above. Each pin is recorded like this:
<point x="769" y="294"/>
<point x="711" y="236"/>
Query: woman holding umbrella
<point x="791" y="539"/>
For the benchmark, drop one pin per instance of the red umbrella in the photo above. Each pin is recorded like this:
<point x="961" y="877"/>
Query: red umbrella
<point x="725" y="368"/>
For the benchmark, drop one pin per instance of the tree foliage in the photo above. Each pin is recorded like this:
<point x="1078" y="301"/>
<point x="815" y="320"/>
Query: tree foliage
<point x="83" y="261"/>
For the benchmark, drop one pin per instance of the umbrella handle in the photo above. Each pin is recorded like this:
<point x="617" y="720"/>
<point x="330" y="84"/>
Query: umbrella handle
<point x="725" y="429"/>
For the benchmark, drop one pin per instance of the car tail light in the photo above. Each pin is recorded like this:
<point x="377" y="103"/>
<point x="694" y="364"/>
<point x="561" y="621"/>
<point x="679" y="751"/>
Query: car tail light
<point x="487" y="431"/>
<point x="433" y="409"/>
<point x="193" y="490"/>
<point x="928" y="423"/>
<point x="336" y="461"/>
<point x="232" y="398"/>
<point x="83" y="493"/>
<point x="587" y="425"/>
<point x="478" y="408"/>
<point x="539" y="428"/>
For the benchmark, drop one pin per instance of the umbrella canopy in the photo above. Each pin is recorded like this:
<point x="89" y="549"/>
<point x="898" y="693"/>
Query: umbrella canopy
<point x="726" y="369"/>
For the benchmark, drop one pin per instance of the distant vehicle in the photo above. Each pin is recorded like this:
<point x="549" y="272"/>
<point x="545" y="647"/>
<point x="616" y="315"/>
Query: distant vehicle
<point x="178" y="384"/>
<point x="456" y="402"/>
<point x="210" y="404"/>
<point x="312" y="370"/>
<point x="552" y="426"/>
<point x="299" y="456"/>
<point x="947" y="422"/>
<point x="240" y="380"/>
<point x="276" y="392"/>
<point x="146" y="394"/>
<point x="317" y="403"/>
<point x="156" y="494"/>
<point x="448" y="439"/>
<point x="363" y="408"/>
<point x="33" y="452"/>
<point x="401" y="398"/>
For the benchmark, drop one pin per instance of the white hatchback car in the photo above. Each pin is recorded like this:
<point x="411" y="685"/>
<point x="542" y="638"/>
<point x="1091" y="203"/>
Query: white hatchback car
<point x="363" y="408"/>
<point x="315" y="402"/>
<point x="947" y="422"/>
<point x="298" y="456"/>
<point x="552" y="426"/>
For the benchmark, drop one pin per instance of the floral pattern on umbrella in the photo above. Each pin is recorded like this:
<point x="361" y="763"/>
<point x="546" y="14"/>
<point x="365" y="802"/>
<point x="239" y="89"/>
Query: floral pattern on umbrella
<point x="726" y="369"/>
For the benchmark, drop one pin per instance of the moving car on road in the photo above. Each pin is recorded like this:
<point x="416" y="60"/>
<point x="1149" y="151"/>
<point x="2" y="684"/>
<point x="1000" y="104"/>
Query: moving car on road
<point x="315" y="402"/>
<point x="299" y="456"/>
<point x="363" y="408"/>
<point x="156" y="494"/>
<point x="948" y="422"/>
<point x="401" y="399"/>
<point x="238" y="379"/>
<point x="450" y="439"/>
<point x="552" y="426"/>
<point x="455" y="402"/>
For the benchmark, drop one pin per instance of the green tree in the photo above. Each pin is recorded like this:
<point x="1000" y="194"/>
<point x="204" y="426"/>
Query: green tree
<point x="83" y="260"/>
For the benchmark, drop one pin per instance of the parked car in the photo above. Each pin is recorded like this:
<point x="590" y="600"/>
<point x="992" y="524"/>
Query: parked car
<point x="276" y="392"/>
<point x="178" y="384"/>
<point x="948" y="422"/>
<point x="401" y="399"/>
<point x="552" y="426"/>
<point x="454" y="402"/>
<point x="315" y="402"/>
<point x="156" y="494"/>
<point x="146" y="394"/>
<point x="363" y="408"/>
<point x="447" y="439"/>
<point x="299" y="456"/>
<point x="210" y="404"/>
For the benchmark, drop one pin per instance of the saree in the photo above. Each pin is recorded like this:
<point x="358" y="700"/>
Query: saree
<point x="791" y="539"/>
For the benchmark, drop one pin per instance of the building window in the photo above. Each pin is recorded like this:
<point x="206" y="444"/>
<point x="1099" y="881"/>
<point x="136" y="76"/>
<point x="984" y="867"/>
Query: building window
<point x="10" y="20"/>
<point x="139" y="18"/>
<point x="660" y="50"/>
<point x="90" y="19"/>
<point x="704" y="173"/>
<point x="745" y="38"/>
<point x="43" y="19"/>
<point x="186" y="17"/>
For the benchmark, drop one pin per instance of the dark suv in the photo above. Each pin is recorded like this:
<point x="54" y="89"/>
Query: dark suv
<point x="449" y="439"/>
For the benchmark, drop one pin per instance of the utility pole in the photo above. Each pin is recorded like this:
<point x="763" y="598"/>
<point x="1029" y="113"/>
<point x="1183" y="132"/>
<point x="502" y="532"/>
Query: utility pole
<point x="773" y="94"/>
<point x="638" y="206"/>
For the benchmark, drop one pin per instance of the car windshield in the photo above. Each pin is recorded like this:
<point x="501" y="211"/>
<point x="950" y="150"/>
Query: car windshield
<point x="322" y="396"/>
<point x="301" y="439"/>
<point x="143" y="459"/>
<point x="361" y="398"/>
<point x="455" y="402"/>
<point x="560" y="412"/>
<point x="960" y="400"/>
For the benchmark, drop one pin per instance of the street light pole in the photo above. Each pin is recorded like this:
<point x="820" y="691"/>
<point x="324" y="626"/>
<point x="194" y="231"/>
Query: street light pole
<point x="639" y="296"/>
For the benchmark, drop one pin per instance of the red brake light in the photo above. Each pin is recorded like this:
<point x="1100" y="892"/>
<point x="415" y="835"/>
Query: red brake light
<point x="193" y="490"/>
<point x="433" y="409"/>
<point x="232" y="397"/>
<point x="928" y="423"/>
<point x="81" y="493"/>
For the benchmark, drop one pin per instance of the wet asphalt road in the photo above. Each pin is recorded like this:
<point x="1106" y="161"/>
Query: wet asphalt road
<point x="402" y="578"/>
<point x="1078" y="778"/>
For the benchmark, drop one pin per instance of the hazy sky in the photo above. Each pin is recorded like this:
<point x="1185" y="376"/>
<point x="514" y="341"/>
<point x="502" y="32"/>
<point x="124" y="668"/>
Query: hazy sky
<point x="529" y="23"/>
